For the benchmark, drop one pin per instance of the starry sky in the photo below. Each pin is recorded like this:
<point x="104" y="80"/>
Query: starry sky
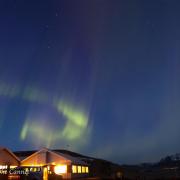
<point x="97" y="77"/>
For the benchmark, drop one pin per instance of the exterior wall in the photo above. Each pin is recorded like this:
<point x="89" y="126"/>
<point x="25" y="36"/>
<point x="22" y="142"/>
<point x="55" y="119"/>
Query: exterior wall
<point x="7" y="159"/>
<point x="52" y="157"/>
<point x="79" y="175"/>
<point x="66" y="176"/>
<point x="74" y="176"/>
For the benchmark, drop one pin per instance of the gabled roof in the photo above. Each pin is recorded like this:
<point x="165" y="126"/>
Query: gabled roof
<point x="46" y="150"/>
<point x="63" y="151"/>
<point x="10" y="152"/>
<point x="66" y="155"/>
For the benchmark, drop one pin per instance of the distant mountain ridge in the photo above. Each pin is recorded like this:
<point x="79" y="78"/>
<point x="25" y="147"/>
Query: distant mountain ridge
<point x="170" y="161"/>
<point x="175" y="157"/>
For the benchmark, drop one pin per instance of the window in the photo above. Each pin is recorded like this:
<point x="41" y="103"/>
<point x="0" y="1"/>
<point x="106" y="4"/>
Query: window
<point x="12" y="167"/>
<point x="3" y="167"/>
<point x="74" y="169"/>
<point x="26" y="169"/>
<point x="79" y="169"/>
<point x="60" y="169"/>
<point x="87" y="169"/>
<point x="83" y="169"/>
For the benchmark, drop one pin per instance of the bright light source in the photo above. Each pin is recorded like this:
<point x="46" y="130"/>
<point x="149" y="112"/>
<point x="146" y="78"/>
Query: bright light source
<point x="87" y="169"/>
<point x="12" y="167"/>
<point x="83" y="169"/>
<point x="74" y="169"/>
<point x="3" y="166"/>
<point x="60" y="169"/>
<point x="79" y="169"/>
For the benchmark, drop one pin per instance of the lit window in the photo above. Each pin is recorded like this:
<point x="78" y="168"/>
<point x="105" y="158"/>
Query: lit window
<point x="74" y="169"/>
<point x="3" y="167"/>
<point x="35" y="169"/>
<point x="87" y="169"/>
<point x="79" y="169"/>
<point x="12" y="167"/>
<point x="83" y="169"/>
<point x="60" y="169"/>
<point x="26" y="169"/>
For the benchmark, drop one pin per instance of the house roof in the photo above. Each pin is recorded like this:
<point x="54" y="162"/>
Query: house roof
<point x="74" y="160"/>
<point x="68" y="155"/>
<point x="43" y="150"/>
<point x="10" y="152"/>
<point x="63" y="151"/>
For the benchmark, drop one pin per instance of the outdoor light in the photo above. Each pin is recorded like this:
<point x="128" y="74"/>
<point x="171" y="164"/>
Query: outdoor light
<point x="60" y="169"/>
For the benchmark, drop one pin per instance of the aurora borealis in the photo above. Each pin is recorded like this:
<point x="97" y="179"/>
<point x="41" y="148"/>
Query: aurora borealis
<point x="97" y="77"/>
<point x="75" y="127"/>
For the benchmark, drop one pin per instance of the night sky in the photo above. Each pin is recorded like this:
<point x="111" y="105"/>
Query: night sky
<point x="99" y="77"/>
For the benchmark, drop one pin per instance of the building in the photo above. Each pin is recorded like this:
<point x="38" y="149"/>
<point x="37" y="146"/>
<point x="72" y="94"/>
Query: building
<point x="57" y="164"/>
<point x="8" y="160"/>
<point x="47" y="162"/>
<point x="61" y="164"/>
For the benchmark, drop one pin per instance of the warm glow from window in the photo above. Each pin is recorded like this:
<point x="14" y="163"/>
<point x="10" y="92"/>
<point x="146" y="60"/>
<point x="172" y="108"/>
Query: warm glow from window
<point x="45" y="174"/>
<point x="3" y="167"/>
<point x="79" y="169"/>
<point x="87" y="169"/>
<point x="35" y="169"/>
<point x="83" y="169"/>
<point x="74" y="169"/>
<point x="60" y="169"/>
<point x="12" y="167"/>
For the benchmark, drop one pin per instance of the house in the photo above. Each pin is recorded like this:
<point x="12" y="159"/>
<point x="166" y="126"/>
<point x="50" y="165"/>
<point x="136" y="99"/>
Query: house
<point x="8" y="160"/>
<point x="54" y="162"/>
